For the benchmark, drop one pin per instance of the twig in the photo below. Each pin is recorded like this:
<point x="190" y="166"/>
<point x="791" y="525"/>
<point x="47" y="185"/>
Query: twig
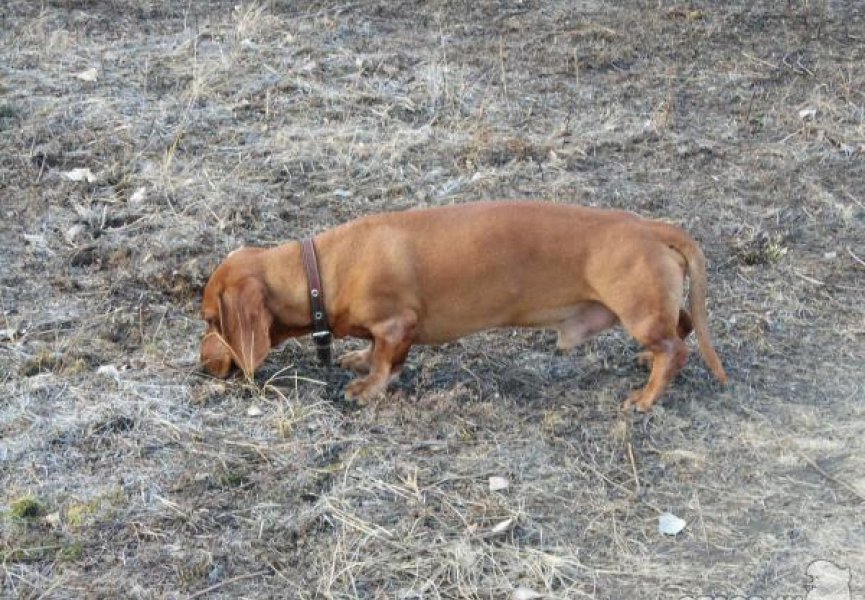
<point x="60" y="581"/>
<point x="477" y="381"/>
<point x="806" y="278"/>
<point x="282" y="576"/>
<point x="856" y="258"/>
<point x="634" y="469"/>
<point x="750" y="106"/>
<point x="41" y="169"/>
<point x="854" y="199"/>
<point x="760" y="60"/>
<point x="828" y="475"/>
<point x="615" y="484"/>
<point x="215" y="587"/>
<point x="786" y="442"/>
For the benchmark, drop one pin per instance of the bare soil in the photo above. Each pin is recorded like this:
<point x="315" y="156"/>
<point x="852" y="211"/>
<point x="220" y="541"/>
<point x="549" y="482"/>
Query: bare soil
<point x="125" y="472"/>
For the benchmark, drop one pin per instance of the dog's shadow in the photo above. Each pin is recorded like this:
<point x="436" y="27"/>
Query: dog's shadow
<point x="522" y="367"/>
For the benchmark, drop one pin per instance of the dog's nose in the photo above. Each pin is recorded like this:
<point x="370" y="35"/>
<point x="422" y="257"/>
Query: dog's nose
<point x="215" y="360"/>
<point x="217" y="367"/>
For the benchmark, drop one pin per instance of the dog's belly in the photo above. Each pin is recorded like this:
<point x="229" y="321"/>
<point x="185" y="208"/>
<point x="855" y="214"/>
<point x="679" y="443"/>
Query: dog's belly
<point x="575" y="324"/>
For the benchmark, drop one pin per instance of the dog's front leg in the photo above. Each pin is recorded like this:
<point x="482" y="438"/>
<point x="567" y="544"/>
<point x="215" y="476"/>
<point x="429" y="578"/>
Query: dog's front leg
<point x="359" y="361"/>
<point x="392" y="340"/>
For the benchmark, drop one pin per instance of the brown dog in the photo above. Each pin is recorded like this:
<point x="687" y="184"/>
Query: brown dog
<point x="430" y="276"/>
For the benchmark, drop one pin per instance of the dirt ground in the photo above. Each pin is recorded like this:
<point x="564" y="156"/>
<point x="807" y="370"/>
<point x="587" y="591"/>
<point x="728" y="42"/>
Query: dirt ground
<point x="142" y="140"/>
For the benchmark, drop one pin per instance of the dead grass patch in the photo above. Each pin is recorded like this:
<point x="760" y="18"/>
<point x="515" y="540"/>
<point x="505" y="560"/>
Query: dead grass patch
<point x="206" y="125"/>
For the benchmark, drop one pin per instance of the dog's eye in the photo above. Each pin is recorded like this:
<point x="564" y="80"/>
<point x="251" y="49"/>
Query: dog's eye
<point x="211" y="322"/>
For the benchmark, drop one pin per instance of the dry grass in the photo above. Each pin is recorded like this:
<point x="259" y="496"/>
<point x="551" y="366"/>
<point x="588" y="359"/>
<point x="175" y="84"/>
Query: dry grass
<point x="125" y="473"/>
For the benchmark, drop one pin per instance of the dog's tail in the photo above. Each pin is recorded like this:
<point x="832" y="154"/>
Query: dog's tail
<point x="688" y="248"/>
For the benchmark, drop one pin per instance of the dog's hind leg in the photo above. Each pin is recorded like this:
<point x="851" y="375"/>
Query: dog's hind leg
<point x="654" y="323"/>
<point x="648" y="307"/>
<point x="683" y="329"/>
<point x="669" y="355"/>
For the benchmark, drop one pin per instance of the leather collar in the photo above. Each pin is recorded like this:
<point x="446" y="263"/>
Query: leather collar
<point x="321" y="333"/>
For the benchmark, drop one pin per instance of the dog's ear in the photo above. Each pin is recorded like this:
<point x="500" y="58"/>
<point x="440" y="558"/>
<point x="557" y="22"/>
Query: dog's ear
<point x="246" y="323"/>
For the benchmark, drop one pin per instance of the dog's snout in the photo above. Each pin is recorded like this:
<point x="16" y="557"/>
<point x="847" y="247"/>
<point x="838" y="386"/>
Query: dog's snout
<point x="215" y="358"/>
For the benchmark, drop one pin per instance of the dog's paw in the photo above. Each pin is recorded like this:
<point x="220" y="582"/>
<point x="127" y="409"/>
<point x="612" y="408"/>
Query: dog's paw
<point x="363" y="390"/>
<point x="357" y="361"/>
<point x="638" y="400"/>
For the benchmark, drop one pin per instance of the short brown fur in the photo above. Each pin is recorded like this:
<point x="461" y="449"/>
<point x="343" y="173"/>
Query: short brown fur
<point x="434" y="275"/>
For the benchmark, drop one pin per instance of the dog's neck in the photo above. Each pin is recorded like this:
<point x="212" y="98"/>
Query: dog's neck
<point x="284" y="271"/>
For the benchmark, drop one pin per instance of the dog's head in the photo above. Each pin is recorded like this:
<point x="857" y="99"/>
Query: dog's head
<point x="239" y="322"/>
